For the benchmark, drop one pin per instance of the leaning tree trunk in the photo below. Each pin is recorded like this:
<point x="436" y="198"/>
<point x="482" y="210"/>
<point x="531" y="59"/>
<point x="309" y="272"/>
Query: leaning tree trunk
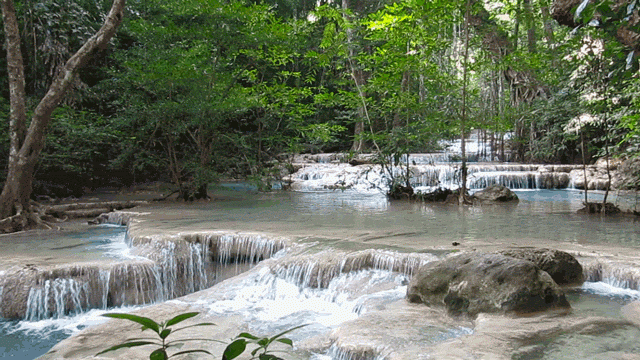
<point x="27" y="145"/>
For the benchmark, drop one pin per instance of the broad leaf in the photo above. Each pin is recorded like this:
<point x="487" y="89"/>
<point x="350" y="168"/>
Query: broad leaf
<point x="190" y="326"/>
<point x="144" y="321"/>
<point x="181" y="318"/>
<point x="158" y="354"/>
<point x="165" y="333"/>
<point x="234" y="349"/>
<point x="248" y="336"/>
<point x="285" y="341"/>
<point x="190" y="351"/>
<point x="127" y="345"/>
<point x="269" y="357"/>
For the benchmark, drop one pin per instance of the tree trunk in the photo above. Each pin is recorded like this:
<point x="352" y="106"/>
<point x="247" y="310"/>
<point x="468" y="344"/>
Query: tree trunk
<point x="358" y="77"/>
<point x="26" y="145"/>
<point x="531" y="30"/>
<point x="463" y="185"/>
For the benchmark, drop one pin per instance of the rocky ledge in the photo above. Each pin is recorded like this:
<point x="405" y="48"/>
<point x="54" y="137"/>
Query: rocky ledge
<point x="513" y="281"/>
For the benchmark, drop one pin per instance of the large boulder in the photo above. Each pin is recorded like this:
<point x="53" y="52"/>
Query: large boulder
<point x="494" y="194"/>
<point x="475" y="282"/>
<point x="562" y="266"/>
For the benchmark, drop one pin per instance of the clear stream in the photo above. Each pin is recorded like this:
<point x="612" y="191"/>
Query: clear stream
<point x="346" y="220"/>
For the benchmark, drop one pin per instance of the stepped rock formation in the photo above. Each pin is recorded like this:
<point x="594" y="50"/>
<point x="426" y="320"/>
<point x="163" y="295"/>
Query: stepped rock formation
<point x="166" y="267"/>
<point x="473" y="283"/>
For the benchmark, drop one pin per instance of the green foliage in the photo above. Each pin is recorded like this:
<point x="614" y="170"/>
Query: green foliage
<point x="261" y="351"/>
<point x="552" y="143"/>
<point x="163" y="330"/>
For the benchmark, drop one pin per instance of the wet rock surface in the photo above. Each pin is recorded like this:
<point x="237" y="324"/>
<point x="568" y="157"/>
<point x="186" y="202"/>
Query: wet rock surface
<point x="562" y="266"/>
<point x="495" y="194"/>
<point x="473" y="283"/>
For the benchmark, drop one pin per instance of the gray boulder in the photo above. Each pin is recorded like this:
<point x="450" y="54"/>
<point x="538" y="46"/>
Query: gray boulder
<point x="473" y="283"/>
<point x="562" y="266"/>
<point x="495" y="194"/>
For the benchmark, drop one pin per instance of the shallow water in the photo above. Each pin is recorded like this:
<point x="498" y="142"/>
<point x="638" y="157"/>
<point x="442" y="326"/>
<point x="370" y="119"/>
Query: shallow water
<point x="350" y="221"/>
<point x="104" y="242"/>
<point x="30" y="339"/>
<point x="541" y="217"/>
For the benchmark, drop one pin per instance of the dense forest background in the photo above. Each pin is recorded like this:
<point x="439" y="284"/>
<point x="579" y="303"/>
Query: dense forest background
<point x="194" y="91"/>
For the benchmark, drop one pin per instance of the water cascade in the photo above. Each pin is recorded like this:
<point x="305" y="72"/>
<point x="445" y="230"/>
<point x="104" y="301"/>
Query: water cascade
<point x="163" y="268"/>
<point x="370" y="178"/>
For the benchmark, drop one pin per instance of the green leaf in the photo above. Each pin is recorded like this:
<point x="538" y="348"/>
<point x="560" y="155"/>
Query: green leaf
<point x="234" y="349"/>
<point x="190" y="351"/>
<point x="194" y="325"/>
<point x="287" y="331"/>
<point x="285" y="341"/>
<point x="268" y="357"/>
<point x="174" y="342"/>
<point x="164" y="333"/>
<point x="180" y="318"/>
<point x="144" y="321"/>
<point x="158" y="354"/>
<point x="247" y="336"/>
<point x="128" y="345"/>
<point x="264" y="342"/>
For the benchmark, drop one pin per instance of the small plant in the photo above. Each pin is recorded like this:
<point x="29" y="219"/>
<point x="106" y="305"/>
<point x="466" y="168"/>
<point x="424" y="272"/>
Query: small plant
<point x="239" y="345"/>
<point x="163" y="330"/>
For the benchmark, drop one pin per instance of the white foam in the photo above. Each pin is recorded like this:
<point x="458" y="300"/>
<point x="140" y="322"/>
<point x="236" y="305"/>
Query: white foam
<point x="604" y="289"/>
<point x="67" y="324"/>
<point x="265" y="298"/>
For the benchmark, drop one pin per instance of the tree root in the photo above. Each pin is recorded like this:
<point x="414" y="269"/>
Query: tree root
<point x="24" y="220"/>
<point x="45" y="217"/>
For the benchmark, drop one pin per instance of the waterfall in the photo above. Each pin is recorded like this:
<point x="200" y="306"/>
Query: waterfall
<point x="614" y="274"/>
<point x="166" y="268"/>
<point x="371" y="179"/>
<point x="337" y="353"/>
<point x="318" y="270"/>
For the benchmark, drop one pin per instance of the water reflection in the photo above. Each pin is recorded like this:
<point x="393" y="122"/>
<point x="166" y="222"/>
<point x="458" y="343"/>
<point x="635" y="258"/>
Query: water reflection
<point x="540" y="216"/>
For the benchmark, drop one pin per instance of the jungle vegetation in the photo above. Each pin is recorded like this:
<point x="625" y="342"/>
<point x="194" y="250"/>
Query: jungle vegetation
<point x="194" y="91"/>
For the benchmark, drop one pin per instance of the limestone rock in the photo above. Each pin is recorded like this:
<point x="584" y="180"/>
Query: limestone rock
<point x="473" y="283"/>
<point x="562" y="266"/>
<point x="493" y="194"/>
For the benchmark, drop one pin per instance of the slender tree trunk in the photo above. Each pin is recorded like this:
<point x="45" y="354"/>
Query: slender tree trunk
<point x="463" y="187"/>
<point x="531" y="29"/>
<point x="404" y="86"/>
<point x="606" y="149"/>
<point x="548" y="27"/>
<point x="584" y="170"/>
<point x="358" y="78"/>
<point x="26" y="145"/>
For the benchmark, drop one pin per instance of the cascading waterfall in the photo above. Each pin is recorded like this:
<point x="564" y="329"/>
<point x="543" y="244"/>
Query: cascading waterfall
<point x="308" y="271"/>
<point x="370" y="178"/>
<point x="168" y="269"/>
<point x="57" y="298"/>
<point x="614" y="274"/>
<point x="337" y="353"/>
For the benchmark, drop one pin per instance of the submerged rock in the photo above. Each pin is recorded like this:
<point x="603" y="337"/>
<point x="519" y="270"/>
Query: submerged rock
<point x="494" y="194"/>
<point x="473" y="283"/>
<point x="437" y="195"/>
<point x="598" y="208"/>
<point x="562" y="266"/>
